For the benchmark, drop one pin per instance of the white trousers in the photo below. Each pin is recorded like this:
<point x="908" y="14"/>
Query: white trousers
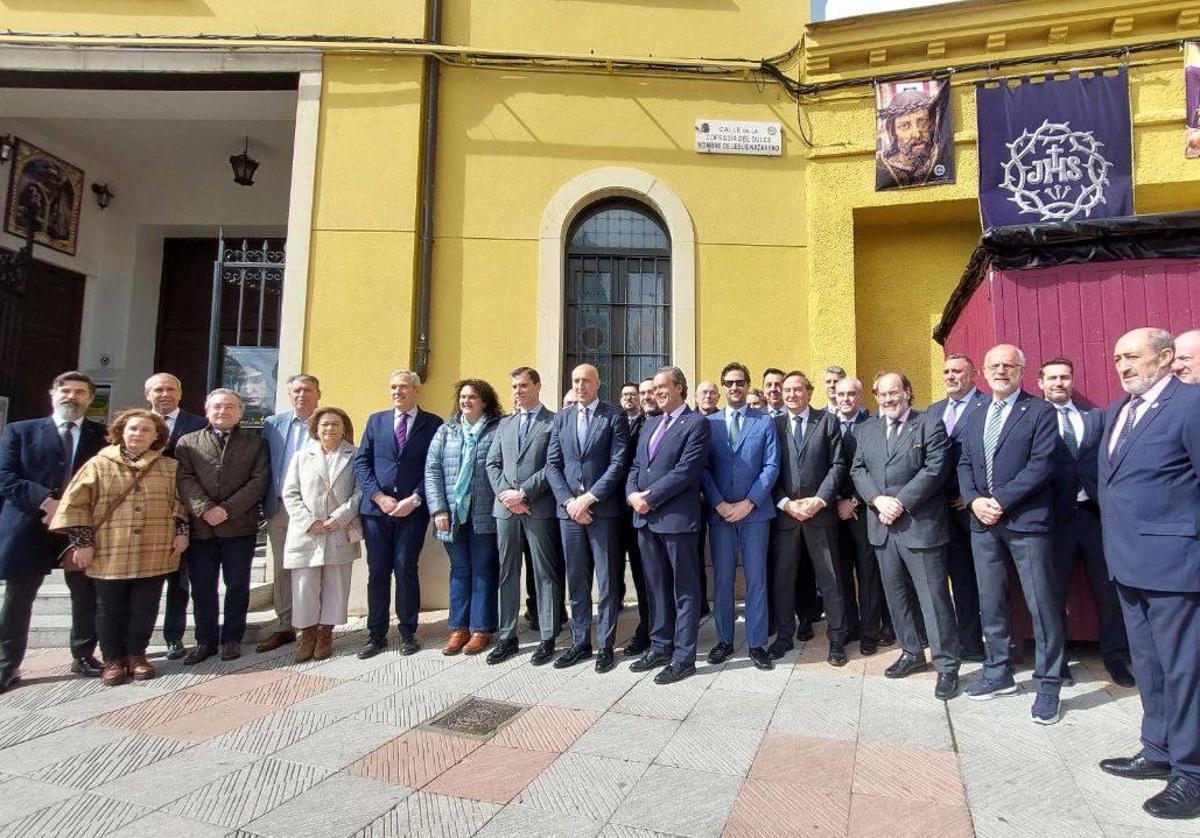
<point x="320" y="595"/>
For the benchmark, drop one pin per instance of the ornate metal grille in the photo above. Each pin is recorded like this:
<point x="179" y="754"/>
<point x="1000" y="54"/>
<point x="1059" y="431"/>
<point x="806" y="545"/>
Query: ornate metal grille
<point x="254" y="271"/>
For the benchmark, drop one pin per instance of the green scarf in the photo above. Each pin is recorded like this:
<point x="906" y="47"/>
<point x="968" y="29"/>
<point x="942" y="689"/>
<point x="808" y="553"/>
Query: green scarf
<point x="466" y="468"/>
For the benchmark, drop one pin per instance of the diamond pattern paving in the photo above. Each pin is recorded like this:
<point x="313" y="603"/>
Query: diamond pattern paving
<point x="415" y="758"/>
<point x="236" y="799"/>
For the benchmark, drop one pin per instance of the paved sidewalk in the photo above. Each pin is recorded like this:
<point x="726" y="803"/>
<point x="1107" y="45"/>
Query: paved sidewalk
<point x="262" y="747"/>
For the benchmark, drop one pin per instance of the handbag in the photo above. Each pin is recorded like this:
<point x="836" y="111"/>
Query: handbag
<point x="66" y="559"/>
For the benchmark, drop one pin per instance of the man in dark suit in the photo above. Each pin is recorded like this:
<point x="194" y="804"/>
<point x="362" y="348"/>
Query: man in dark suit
<point x="1149" y="485"/>
<point x="224" y="472"/>
<point x="524" y="510"/>
<point x="390" y="465"/>
<point x="1010" y="454"/>
<point x="38" y="457"/>
<point x="707" y="398"/>
<point x="664" y="490"/>
<point x="899" y="470"/>
<point x="586" y="464"/>
<point x="962" y="399"/>
<point x="1077" y="524"/>
<point x="811" y="471"/>
<point x="743" y="463"/>
<point x="163" y="393"/>
<point x="636" y="412"/>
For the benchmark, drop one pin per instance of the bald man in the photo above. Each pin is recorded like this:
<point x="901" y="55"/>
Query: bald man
<point x="1186" y="365"/>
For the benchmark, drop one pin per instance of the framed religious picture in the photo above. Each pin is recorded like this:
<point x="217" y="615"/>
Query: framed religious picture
<point x="45" y="192"/>
<point x="252" y="373"/>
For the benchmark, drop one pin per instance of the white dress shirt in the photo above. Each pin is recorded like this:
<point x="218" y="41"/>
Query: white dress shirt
<point x="1149" y="400"/>
<point x="1076" y="419"/>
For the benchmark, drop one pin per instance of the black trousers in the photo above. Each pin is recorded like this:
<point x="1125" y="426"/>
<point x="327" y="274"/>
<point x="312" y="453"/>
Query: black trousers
<point x="178" y="593"/>
<point x="125" y="613"/>
<point x="531" y="595"/>
<point x="17" y="613"/>
<point x="1079" y="532"/>
<point x="816" y="549"/>
<point x="862" y="586"/>
<point x="630" y="548"/>
<point x="703" y="550"/>
<point x="229" y="559"/>
<point x="964" y="587"/>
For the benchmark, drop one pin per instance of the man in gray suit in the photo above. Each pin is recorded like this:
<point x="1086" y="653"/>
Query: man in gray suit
<point x="524" y="507"/>
<point x="899" y="470"/>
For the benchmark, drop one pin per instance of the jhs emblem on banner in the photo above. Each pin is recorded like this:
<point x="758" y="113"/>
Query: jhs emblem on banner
<point x="1055" y="149"/>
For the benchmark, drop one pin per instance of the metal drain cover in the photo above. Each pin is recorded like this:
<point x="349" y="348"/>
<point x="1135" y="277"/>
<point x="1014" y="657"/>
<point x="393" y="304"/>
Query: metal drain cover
<point x="476" y="717"/>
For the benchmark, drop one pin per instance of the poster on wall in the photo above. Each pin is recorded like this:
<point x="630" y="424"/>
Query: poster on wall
<point x="1191" y="76"/>
<point x="251" y="372"/>
<point x="100" y="409"/>
<point x="914" y="134"/>
<point x="46" y="193"/>
<point x="1055" y="148"/>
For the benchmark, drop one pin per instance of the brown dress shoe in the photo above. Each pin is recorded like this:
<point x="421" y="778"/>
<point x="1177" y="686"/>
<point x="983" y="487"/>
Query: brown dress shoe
<point x="458" y="639"/>
<point x="277" y="639"/>
<point x="324" y="643"/>
<point x="113" y="674"/>
<point x="141" y="669"/>
<point x="478" y="642"/>
<point x="308" y="643"/>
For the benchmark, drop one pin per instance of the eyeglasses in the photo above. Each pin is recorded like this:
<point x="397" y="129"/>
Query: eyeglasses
<point x="735" y="382"/>
<point x="1002" y="367"/>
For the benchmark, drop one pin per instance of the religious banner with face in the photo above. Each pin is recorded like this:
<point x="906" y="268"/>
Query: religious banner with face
<point x="1191" y="75"/>
<point x="914" y="134"/>
<point x="1055" y="148"/>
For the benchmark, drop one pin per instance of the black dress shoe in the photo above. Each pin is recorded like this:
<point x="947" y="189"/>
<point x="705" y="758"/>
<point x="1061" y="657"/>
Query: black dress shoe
<point x="503" y="650"/>
<point x="1180" y="799"/>
<point x="887" y="637"/>
<point x="409" y="645"/>
<point x="606" y="660"/>
<point x="175" y="650"/>
<point x="1136" y="768"/>
<point x="648" y="661"/>
<point x="231" y="651"/>
<point x="636" y="646"/>
<point x="675" y="672"/>
<point x="720" y="653"/>
<point x="9" y="678"/>
<point x="837" y="655"/>
<point x="372" y="647"/>
<point x="87" y="666"/>
<point x="780" y="647"/>
<point x="867" y="647"/>
<point x="804" y="631"/>
<point x="199" y="654"/>
<point x="904" y="666"/>
<point x="574" y="655"/>
<point x="947" y="686"/>
<point x="1119" y="672"/>
<point x="1065" y="678"/>
<point x="761" y="658"/>
<point x="543" y="653"/>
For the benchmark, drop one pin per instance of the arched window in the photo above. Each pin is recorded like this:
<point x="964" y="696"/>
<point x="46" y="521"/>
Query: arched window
<point x="618" y="294"/>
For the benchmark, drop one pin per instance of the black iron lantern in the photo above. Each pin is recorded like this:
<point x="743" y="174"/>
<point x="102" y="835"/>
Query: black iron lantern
<point x="103" y="195"/>
<point x="243" y="166"/>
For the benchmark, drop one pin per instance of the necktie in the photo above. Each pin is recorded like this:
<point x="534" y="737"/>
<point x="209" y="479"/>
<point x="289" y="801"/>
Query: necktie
<point x="1130" y="418"/>
<point x="1068" y="432"/>
<point x="581" y="428"/>
<point x="735" y="428"/>
<point x="950" y="419"/>
<point x="68" y="449"/>
<point x="401" y="432"/>
<point x="991" y="437"/>
<point x="661" y="431"/>
<point x="798" y="430"/>
<point x="846" y="428"/>
<point x="523" y="430"/>
<point x="222" y="439"/>
<point x="893" y="435"/>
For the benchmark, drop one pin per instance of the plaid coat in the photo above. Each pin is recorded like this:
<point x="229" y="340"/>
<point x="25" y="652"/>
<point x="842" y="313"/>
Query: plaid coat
<point x="135" y="541"/>
<point x="441" y="473"/>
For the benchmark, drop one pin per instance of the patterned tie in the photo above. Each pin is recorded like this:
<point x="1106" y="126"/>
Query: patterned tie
<point x="950" y="419"/>
<point x="68" y="449"/>
<point x="1130" y="418"/>
<point x="661" y="432"/>
<point x="893" y="435"/>
<point x="523" y="430"/>
<point x="846" y="423"/>
<point x="735" y="428"/>
<point x="991" y="437"/>
<point x="402" y="432"/>
<point x="1068" y="433"/>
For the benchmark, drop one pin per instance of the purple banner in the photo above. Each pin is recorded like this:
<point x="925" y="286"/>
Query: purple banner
<point x="1055" y="149"/>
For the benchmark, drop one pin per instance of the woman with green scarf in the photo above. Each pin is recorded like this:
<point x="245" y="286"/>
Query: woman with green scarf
<point x="460" y="501"/>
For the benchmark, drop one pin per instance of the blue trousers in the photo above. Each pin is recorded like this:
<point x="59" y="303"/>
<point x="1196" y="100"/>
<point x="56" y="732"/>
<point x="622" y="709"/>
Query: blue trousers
<point x="671" y="562"/>
<point x="393" y="549"/>
<point x="474" y="579"/>
<point x="749" y="541"/>
<point x="595" y="548"/>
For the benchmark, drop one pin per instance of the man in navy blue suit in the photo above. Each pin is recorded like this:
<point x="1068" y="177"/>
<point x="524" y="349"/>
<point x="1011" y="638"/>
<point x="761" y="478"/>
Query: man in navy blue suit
<point x="664" y="490"/>
<point x="163" y="393"/>
<point x="38" y="457"/>
<point x="962" y="399"/>
<point x="586" y="464"/>
<point x="390" y="465"/>
<point x="1077" y="524"/>
<point x="1006" y="468"/>
<point x="1149" y="486"/>
<point x="743" y="463"/>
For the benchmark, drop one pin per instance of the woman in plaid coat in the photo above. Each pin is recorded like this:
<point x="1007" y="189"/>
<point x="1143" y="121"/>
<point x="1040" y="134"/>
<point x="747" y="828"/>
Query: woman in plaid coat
<point x="460" y="498"/>
<point x="128" y="529"/>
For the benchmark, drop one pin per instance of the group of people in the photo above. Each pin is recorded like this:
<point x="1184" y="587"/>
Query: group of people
<point x="894" y="527"/>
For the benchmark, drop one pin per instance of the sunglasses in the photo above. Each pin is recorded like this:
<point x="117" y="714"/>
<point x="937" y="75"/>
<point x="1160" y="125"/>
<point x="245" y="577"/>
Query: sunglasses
<point x="736" y="382"/>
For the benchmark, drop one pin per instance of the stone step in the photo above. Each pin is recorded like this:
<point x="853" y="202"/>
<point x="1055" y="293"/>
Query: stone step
<point x="54" y="630"/>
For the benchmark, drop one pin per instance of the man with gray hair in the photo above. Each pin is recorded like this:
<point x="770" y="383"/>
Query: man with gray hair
<point x="224" y="471"/>
<point x="1186" y="365"/>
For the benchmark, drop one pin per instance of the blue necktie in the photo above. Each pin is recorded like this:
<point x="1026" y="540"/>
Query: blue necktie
<point x="523" y="430"/>
<point x="1127" y="428"/>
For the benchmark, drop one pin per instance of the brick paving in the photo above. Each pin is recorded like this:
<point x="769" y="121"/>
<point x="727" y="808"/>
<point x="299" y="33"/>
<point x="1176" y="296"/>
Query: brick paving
<point x="263" y="748"/>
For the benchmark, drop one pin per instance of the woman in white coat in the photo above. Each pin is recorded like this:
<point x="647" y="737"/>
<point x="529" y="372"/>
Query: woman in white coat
<point x="321" y="494"/>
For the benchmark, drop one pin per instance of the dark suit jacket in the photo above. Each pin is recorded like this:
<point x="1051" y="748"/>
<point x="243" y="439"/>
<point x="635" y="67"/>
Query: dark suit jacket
<point x="915" y="474"/>
<point x="673" y="476"/>
<point x="381" y="468"/>
<point x="235" y="479"/>
<point x="1150" y="494"/>
<point x="1082" y="470"/>
<point x="937" y="410"/>
<point x="1027" y="455"/>
<point x="818" y="468"/>
<point x="185" y="423"/>
<point x="31" y="470"/>
<point x="511" y="465"/>
<point x="849" y="446"/>
<point x="599" y="468"/>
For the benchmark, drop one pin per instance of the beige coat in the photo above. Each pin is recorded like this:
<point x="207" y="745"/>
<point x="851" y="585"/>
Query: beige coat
<point x="316" y="490"/>
<point x="135" y="541"/>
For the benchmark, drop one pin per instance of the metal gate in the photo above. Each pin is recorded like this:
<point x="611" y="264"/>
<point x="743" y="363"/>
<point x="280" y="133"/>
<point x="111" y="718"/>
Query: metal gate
<point x="253" y="271"/>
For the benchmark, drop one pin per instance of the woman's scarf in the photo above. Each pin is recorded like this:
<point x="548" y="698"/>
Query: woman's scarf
<point x="466" y="468"/>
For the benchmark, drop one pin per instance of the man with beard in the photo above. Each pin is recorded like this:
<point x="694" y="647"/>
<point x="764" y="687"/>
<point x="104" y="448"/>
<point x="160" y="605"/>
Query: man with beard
<point x="912" y="153"/>
<point x="38" y="457"/>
